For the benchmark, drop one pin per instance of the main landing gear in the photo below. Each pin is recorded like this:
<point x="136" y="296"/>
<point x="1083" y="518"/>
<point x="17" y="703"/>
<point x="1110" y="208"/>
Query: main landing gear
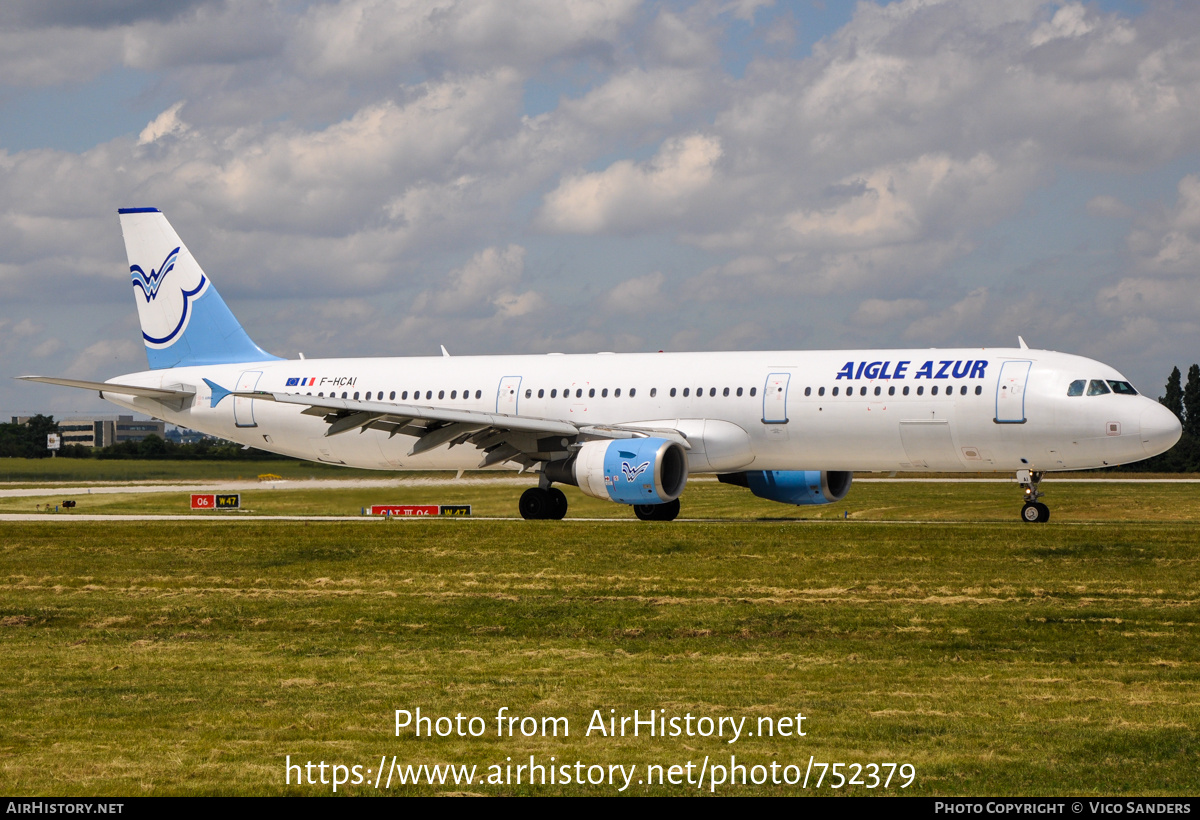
<point x="544" y="503"/>
<point x="1034" y="511"/>
<point x="657" y="512"/>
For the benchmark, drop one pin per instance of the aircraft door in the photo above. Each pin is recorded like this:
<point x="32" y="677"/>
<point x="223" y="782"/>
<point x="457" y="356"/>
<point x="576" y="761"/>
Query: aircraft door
<point x="508" y="395"/>
<point x="775" y="398"/>
<point x="243" y="408"/>
<point x="1010" y="393"/>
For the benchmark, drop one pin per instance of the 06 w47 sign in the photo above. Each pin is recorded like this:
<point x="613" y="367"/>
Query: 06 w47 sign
<point x="216" y="501"/>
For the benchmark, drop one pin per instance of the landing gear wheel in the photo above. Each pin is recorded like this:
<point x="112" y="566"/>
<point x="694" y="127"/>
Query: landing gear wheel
<point x="1030" y="513"/>
<point x="1035" y="512"/>
<point x="535" y="503"/>
<point x="657" y="512"/>
<point x="558" y="504"/>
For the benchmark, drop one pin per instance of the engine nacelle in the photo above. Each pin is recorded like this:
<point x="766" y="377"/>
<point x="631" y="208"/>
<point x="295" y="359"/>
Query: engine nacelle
<point x="799" y="487"/>
<point x="628" y="471"/>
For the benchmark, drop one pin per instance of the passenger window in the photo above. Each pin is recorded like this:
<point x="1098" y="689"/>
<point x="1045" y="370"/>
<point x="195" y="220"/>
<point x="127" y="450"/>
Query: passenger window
<point x="862" y="391"/>
<point x="604" y="393"/>
<point x="892" y="390"/>
<point x="1122" y="388"/>
<point x="712" y="391"/>
<point x="820" y="391"/>
<point x="428" y="394"/>
<point x="878" y="390"/>
<point x="528" y="393"/>
<point x="579" y="392"/>
<point x="1096" y="387"/>
<point x="962" y="391"/>
<point x="441" y="394"/>
<point x="933" y="390"/>
<point x="632" y="392"/>
<point x="541" y="393"/>
<point x="653" y="392"/>
<point x="835" y="391"/>
<point x="404" y="396"/>
<point x="978" y="390"/>
<point x="343" y="394"/>
<point x="726" y="393"/>
<point x="685" y="392"/>
<point x="554" y="393"/>
<point x="1076" y="387"/>
<point x="617" y="393"/>
<point x="591" y="393"/>
<point x="905" y="390"/>
<point x="454" y="394"/>
<point x="739" y="391"/>
<point x="753" y="390"/>
<point x="356" y="395"/>
<point x="392" y="396"/>
<point x="921" y="390"/>
<point x="808" y="391"/>
<point x="672" y="392"/>
<point x="321" y="395"/>
<point x="478" y="393"/>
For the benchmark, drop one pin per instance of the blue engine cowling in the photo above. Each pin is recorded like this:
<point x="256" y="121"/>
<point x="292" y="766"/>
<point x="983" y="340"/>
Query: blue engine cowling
<point x="797" y="487"/>
<point x="631" y="470"/>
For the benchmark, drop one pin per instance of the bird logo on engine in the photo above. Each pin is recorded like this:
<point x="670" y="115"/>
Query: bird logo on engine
<point x="631" y="472"/>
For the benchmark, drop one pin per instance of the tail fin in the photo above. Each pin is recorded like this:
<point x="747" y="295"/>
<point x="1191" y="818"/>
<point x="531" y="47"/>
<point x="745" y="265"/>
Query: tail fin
<point x="184" y="320"/>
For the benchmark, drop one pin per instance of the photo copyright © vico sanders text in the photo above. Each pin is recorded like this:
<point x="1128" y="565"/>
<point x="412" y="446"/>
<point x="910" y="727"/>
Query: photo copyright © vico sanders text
<point x="712" y="772"/>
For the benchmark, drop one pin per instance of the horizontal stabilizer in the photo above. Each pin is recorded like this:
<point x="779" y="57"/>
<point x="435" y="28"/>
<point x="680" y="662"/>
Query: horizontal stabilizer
<point x="109" y="387"/>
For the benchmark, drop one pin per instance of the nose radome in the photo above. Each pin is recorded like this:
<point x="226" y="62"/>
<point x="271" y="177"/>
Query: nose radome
<point x="1160" y="429"/>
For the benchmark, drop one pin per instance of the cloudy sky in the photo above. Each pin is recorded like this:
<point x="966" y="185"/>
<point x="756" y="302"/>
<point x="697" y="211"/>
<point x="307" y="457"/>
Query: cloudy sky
<point x="378" y="177"/>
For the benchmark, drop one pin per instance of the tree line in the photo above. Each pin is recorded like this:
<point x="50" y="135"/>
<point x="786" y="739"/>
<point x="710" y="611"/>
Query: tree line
<point x="1184" y="401"/>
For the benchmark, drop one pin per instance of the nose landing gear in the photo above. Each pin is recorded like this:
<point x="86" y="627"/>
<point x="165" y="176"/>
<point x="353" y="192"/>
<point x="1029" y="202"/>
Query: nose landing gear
<point x="1034" y="511"/>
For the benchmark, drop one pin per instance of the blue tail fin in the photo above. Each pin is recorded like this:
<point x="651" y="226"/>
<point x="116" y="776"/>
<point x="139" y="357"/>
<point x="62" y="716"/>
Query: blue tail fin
<point x="184" y="320"/>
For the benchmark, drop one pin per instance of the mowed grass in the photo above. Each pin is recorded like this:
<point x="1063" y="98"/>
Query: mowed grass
<point x="996" y="657"/>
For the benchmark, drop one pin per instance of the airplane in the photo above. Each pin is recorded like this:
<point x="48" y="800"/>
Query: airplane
<point x="789" y="426"/>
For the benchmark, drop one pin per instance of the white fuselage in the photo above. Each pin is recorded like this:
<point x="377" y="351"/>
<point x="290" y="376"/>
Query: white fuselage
<point x="994" y="409"/>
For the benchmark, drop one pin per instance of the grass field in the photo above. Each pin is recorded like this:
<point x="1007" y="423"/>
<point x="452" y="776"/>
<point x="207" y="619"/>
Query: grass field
<point x="868" y="501"/>
<point x="996" y="657"/>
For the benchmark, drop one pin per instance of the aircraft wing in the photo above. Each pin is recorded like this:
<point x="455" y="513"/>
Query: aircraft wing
<point x="119" y="389"/>
<point x="523" y="439"/>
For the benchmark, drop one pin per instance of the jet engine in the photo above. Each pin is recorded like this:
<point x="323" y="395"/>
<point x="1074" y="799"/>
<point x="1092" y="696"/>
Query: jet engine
<point x="629" y="471"/>
<point x="799" y="487"/>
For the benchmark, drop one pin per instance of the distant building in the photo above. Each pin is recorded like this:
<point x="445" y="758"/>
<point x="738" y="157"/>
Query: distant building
<point x="106" y="431"/>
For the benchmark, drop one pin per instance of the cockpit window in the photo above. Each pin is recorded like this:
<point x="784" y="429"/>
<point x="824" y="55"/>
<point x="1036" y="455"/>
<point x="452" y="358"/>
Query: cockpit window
<point x="1097" y="388"/>
<point x="1076" y="388"/>
<point x="1122" y="388"/>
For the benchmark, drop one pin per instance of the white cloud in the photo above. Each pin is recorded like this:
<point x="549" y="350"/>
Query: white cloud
<point x="366" y="37"/>
<point x="949" y="324"/>
<point x="637" y="296"/>
<point x="484" y="287"/>
<point x="165" y="124"/>
<point x="630" y="196"/>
